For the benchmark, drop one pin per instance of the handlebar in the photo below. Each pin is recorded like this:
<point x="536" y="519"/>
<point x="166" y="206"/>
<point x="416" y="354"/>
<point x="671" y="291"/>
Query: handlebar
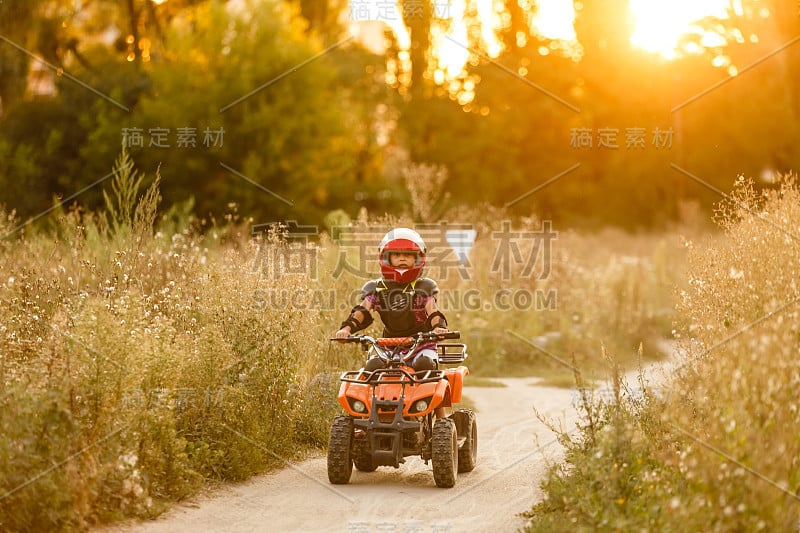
<point x="400" y="341"/>
<point x="394" y="350"/>
<point x="450" y="335"/>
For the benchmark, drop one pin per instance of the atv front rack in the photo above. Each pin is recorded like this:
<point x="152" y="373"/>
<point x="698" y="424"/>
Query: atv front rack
<point x="388" y="376"/>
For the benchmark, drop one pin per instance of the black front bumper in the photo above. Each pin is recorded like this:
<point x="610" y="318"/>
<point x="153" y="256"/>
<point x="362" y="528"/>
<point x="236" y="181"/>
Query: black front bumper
<point x="386" y="438"/>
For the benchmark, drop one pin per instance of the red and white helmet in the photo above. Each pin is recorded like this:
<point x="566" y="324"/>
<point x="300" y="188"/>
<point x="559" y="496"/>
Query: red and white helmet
<point x="401" y="240"/>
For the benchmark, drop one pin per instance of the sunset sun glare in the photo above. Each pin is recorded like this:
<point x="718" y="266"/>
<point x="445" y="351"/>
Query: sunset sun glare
<point x="660" y="27"/>
<point x="667" y="29"/>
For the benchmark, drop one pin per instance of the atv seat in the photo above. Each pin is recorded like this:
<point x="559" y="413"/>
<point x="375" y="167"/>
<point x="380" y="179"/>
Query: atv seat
<point x="452" y="353"/>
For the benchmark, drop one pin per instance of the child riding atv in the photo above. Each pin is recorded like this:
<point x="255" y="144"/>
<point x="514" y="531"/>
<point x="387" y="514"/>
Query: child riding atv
<point x="405" y="301"/>
<point x="396" y="404"/>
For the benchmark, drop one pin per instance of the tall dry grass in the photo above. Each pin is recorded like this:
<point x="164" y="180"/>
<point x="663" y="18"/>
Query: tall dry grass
<point x="717" y="450"/>
<point x="135" y="364"/>
<point x="143" y="355"/>
<point x="611" y="288"/>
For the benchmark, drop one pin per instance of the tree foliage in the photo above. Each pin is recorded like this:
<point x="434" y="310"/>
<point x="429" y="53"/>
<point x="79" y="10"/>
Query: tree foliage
<point x="237" y="106"/>
<point x="268" y="105"/>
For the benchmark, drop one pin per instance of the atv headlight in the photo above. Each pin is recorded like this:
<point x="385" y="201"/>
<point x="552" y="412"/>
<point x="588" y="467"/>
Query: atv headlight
<point x="421" y="406"/>
<point x="358" y="406"/>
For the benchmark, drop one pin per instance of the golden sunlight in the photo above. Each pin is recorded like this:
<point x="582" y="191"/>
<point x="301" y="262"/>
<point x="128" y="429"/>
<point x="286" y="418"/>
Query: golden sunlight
<point x="661" y="27"/>
<point x="669" y="29"/>
<point x="553" y="19"/>
<point x="449" y="45"/>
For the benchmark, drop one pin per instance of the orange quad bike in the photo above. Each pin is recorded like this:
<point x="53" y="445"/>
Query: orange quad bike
<point x="391" y="411"/>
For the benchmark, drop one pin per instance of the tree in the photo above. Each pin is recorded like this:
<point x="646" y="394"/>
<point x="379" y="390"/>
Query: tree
<point x="510" y="136"/>
<point x="17" y="20"/>
<point x="235" y="107"/>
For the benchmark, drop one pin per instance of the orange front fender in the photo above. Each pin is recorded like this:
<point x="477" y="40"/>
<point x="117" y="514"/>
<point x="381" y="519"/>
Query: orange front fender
<point x="456" y="378"/>
<point x="357" y="391"/>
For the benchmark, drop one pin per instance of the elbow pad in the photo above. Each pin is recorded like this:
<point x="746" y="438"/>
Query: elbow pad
<point x="441" y="323"/>
<point x="354" y="323"/>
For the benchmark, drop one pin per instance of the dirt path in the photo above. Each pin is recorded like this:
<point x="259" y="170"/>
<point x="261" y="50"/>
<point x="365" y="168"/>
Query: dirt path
<point x="512" y="445"/>
<point x="514" y="449"/>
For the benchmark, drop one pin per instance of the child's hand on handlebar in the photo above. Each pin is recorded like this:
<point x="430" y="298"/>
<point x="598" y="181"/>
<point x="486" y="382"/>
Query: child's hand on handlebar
<point x="440" y="331"/>
<point x="343" y="333"/>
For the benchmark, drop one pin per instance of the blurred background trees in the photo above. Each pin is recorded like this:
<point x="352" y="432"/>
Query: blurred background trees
<point x="274" y="106"/>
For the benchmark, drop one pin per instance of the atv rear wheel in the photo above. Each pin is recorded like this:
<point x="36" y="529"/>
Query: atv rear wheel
<point x="444" y="453"/>
<point x="362" y="457"/>
<point x="340" y="461"/>
<point x="467" y="429"/>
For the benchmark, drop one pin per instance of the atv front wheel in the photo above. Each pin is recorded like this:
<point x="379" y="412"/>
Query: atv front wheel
<point x="467" y="429"/>
<point x="362" y="457"/>
<point x="340" y="462"/>
<point x="444" y="453"/>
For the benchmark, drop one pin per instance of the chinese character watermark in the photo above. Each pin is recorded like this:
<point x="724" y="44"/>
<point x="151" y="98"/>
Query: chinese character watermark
<point x="158" y="137"/>
<point x="291" y="249"/>
<point x="532" y="250"/>
<point x="608" y="138"/>
<point x="286" y="249"/>
<point x="392" y="11"/>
